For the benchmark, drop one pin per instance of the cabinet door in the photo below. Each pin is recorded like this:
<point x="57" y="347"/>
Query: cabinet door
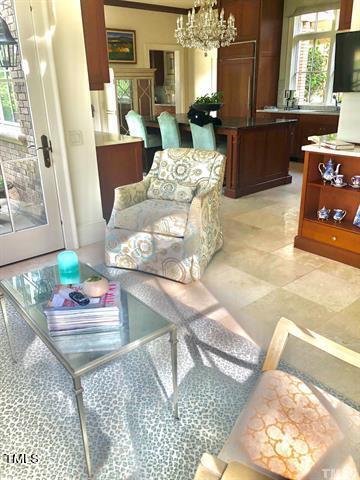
<point x="93" y="19"/>
<point x="125" y="98"/>
<point x="346" y="9"/>
<point x="247" y="17"/>
<point x="145" y="96"/>
<point x="236" y="81"/>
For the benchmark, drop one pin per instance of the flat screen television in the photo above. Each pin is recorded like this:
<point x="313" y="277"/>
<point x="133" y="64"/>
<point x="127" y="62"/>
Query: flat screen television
<point x="347" y="62"/>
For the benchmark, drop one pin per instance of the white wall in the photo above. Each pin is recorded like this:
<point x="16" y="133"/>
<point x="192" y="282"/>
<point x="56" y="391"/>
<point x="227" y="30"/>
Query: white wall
<point x="202" y="73"/>
<point x="355" y="22"/>
<point x="154" y="29"/>
<point x="70" y="61"/>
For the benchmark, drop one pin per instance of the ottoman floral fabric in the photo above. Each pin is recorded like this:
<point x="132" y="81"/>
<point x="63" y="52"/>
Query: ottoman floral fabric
<point x="169" y="223"/>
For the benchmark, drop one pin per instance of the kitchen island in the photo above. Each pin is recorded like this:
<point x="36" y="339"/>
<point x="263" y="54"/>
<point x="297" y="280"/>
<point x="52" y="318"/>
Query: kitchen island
<point x="257" y="150"/>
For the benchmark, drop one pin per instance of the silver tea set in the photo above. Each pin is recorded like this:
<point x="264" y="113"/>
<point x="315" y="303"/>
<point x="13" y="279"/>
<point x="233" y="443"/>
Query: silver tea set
<point x="330" y="173"/>
<point x="324" y="214"/>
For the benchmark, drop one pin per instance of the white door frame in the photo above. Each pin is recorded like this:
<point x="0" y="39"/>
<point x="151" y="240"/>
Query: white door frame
<point x="44" y="28"/>
<point x="180" y="80"/>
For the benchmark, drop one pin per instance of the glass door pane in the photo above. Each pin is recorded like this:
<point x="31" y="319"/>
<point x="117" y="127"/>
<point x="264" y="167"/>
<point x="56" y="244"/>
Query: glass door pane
<point x="6" y="225"/>
<point x="25" y="201"/>
<point x="124" y="89"/>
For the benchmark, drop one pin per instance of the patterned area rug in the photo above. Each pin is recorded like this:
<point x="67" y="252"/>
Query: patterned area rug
<point x="133" y="434"/>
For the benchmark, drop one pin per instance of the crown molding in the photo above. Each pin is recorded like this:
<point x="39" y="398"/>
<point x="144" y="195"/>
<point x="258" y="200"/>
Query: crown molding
<point x="146" y="6"/>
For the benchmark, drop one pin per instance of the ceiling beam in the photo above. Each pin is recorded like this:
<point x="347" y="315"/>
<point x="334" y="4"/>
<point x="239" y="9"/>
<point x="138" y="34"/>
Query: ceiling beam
<point x="146" y="6"/>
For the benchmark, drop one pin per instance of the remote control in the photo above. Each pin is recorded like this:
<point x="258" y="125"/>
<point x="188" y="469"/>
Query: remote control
<point x="75" y="296"/>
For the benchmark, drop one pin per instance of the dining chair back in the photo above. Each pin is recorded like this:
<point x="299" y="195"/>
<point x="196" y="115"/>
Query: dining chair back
<point x="169" y="129"/>
<point x="203" y="137"/>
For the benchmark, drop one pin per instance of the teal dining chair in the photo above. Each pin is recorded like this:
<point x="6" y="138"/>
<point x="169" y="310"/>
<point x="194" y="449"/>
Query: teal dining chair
<point x="204" y="138"/>
<point x="152" y="142"/>
<point x="169" y="129"/>
<point x="137" y="128"/>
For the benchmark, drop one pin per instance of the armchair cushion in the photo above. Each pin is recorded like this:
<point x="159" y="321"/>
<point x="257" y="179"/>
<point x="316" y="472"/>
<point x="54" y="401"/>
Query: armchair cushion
<point x="169" y="190"/>
<point x="200" y="169"/>
<point x="163" y="217"/>
<point x="295" y="430"/>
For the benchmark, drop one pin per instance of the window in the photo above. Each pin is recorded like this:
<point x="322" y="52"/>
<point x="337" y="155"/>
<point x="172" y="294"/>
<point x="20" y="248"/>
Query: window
<point x="312" y="57"/>
<point x="8" y="104"/>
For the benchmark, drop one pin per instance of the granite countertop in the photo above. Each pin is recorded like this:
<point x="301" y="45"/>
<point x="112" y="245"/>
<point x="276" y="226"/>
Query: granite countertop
<point x="300" y="111"/>
<point x="232" y="123"/>
<point x="103" y="139"/>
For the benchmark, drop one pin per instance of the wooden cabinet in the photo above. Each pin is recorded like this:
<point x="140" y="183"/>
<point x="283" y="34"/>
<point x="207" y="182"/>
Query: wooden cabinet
<point x="236" y="80"/>
<point x="306" y="126"/>
<point x="135" y="91"/>
<point x="258" y="168"/>
<point x="338" y="241"/>
<point x="118" y="164"/>
<point x="93" y="18"/>
<point x="247" y="16"/>
<point x="346" y="8"/>
<point x="256" y="51"/>
<point x="269" y="49"/>
<point x="314" y="125"/>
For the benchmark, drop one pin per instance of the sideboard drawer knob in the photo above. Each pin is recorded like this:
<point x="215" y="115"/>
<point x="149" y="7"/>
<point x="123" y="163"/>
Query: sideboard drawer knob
<point x="333" y="238"/>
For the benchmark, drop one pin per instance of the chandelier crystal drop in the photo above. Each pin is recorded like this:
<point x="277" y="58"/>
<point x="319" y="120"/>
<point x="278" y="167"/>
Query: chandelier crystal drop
<point x="205" y="29"/>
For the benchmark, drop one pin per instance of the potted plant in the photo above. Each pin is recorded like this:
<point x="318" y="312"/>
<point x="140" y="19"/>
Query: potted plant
<point x="209" y="102"/>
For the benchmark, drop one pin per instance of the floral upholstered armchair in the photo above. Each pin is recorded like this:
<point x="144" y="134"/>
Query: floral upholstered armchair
<point x="168" y="224"/>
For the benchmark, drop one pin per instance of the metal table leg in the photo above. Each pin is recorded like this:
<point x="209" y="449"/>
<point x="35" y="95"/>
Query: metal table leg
<point x="81" y="411"/>
<point x="174" y="341"/>
<point x="6" y="324"/>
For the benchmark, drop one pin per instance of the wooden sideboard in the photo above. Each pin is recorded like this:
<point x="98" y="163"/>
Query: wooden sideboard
<point x="308" y="124"/>
<point x="120" y="162"/>
<point x="338" y="241"/>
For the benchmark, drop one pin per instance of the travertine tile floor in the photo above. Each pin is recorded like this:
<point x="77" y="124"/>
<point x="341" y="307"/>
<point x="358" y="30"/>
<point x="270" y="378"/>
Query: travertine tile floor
<point x="258" y="277"/>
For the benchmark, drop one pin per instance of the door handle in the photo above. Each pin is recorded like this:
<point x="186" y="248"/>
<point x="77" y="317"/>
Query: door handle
<point x="46" y="147"/>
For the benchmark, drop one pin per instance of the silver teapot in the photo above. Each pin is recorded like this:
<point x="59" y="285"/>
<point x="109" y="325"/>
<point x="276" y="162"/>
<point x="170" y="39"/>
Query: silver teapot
<point x="328" y="171"/>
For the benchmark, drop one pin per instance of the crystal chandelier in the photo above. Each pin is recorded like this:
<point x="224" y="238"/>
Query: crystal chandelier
<point x="205" y="29"/>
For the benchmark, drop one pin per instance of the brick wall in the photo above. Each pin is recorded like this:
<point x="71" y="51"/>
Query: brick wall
<point x="23" y="174"/>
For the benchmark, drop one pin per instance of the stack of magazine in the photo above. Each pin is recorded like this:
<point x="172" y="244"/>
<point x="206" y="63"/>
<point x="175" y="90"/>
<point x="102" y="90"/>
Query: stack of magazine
<point x="337" y="144"/>
<point x="84" y="328"/>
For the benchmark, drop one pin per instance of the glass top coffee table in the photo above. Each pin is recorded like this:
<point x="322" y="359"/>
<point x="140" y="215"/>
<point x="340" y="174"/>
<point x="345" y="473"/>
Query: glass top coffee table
<point x="81" y="354"/>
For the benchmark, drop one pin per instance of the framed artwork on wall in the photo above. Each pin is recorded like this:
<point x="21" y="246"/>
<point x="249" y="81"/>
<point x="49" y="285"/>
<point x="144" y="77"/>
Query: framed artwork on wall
<point x="121" y="45"/>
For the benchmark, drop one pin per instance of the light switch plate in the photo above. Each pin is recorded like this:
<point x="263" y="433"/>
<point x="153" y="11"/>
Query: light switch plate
<point x="75" y="138"/>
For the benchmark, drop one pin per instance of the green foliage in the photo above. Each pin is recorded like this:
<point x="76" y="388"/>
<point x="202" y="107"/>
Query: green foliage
<point x="8" y="102"/>
<point x="316" y="76"/>
<point x="216" y="97"/>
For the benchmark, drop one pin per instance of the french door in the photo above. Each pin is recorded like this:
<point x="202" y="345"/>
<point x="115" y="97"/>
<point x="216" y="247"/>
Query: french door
<point x="30" y="222"/>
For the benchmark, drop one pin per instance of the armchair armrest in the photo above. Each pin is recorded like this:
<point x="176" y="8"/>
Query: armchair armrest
<point x="286" y="327"/>
<point x="210" y="468"/>
<point x="198" y="202"/>
<point x="129" y="195"/>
